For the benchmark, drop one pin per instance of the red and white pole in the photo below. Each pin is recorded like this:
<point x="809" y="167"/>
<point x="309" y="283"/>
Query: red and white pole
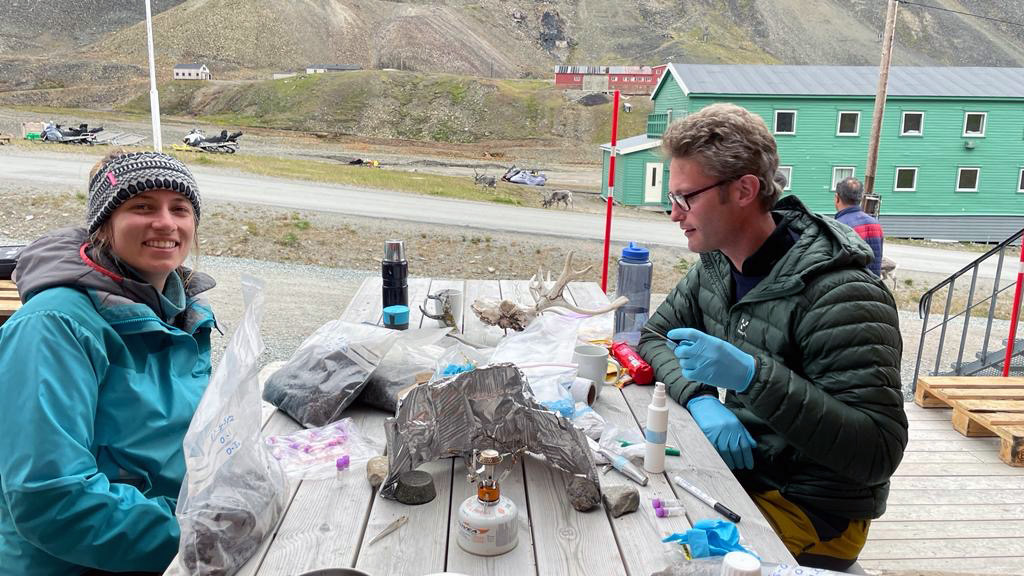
<point x="1014" y="314"/>
<point x="611" y="194"/>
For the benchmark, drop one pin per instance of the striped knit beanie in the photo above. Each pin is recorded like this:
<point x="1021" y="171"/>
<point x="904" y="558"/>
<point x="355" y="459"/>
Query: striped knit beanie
<point x="131" y="174"/>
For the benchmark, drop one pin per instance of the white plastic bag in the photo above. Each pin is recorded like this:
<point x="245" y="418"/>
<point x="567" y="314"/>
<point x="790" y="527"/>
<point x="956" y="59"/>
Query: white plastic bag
<point x="234" y="491"/>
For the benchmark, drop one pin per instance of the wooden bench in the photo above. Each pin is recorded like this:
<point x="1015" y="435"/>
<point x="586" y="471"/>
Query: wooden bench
<point x="982" y="406"/>
<point x="9" y="300"/>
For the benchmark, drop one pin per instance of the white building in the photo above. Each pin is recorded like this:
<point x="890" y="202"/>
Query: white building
<point x="192" y="72"/>
<point x="323" y="68"/>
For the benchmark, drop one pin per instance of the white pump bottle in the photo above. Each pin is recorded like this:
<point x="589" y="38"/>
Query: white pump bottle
<point x="656" y="431"/>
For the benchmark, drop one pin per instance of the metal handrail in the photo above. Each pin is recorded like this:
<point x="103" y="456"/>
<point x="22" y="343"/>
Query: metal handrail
<point x="924" y="309"/>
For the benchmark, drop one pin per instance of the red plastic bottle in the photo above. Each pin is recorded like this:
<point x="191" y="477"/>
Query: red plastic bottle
<point x="639" y="370"/>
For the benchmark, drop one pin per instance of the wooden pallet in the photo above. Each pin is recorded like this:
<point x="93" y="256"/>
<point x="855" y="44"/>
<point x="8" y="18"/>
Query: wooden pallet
<point x="982" y="406"/>
<point x="9" y="300"/>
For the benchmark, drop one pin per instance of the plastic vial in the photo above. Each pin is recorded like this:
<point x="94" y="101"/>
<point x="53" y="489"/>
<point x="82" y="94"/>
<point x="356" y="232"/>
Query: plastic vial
<point x="666" y="503"/>
<point x="666" y="512"/>
<point x="656" y="430"/>
<point x="634" y="282"/>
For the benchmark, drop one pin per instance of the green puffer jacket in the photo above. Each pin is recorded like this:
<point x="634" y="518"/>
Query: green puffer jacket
<point x="825" y="403"/>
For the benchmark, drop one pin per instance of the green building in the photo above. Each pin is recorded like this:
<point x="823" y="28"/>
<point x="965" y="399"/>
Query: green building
<point x="951" y="154"/>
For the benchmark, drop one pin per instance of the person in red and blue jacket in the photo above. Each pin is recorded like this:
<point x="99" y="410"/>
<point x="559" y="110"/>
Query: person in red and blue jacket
<point x="849" y="193"/>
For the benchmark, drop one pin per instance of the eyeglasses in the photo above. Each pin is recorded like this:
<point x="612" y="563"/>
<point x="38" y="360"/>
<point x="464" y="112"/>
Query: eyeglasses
<point x="683" y="200"/>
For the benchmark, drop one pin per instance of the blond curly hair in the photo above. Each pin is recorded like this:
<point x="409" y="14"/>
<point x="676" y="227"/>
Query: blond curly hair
<point x="729" y="142"/>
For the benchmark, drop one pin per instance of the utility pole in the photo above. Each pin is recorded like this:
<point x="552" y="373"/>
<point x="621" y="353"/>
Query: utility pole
<point x="871" y="202"/>
<point x="154" y="97"/>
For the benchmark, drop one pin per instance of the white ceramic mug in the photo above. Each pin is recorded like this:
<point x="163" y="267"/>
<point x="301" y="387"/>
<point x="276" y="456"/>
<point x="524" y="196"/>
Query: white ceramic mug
<point x="450" y="298"/>
<point x="592" y="363"/>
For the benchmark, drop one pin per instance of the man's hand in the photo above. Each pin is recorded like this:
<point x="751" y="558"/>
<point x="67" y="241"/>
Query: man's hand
<point x="725" y="432"/>
<point x="711" y="360"/>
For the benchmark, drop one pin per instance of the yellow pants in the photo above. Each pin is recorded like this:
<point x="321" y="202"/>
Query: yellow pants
<point x="820" y="543"/>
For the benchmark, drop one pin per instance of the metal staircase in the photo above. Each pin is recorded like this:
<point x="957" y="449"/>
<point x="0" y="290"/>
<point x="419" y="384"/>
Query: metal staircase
<point x="966" y="328"/>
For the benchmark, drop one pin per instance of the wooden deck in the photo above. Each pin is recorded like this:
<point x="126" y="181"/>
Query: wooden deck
<point x="954" y="506"/>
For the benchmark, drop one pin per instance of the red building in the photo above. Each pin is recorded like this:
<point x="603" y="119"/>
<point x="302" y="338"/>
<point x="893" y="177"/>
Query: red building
<point x="626" y="79"/>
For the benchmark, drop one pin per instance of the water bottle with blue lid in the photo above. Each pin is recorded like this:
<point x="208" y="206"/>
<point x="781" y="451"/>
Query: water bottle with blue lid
<point x="634" y="282"/>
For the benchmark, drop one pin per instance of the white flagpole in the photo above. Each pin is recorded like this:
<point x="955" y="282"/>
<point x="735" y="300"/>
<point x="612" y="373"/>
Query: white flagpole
<point x="154" y="97"/>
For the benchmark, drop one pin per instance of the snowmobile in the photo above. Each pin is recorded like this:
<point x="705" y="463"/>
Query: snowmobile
<point x="223" y="143"/>
<point x="53" y="132"/>
<point x="523" y="176"/>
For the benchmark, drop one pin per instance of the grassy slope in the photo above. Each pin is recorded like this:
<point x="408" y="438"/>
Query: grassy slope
<point x="435" y="107"/>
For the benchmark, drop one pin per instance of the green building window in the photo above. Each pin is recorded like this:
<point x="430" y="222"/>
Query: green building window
<point x="785" y="121"/>
<point x="906" y="180"/>
<point x="1020" y="181"/>
<point x="912" y="124"/>
<point x="848" y="123"/>
<point x="840" y="173"/>
<point x="974" y="124"/>
<point x="967" y="179"/>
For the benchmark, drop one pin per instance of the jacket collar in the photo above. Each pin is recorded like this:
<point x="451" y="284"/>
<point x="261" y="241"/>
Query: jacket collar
<point x="848" y="210"/>
<point x="823" y="244"/>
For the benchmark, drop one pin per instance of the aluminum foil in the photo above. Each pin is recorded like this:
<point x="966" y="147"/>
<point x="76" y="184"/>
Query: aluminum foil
<point x="490" y="407"/>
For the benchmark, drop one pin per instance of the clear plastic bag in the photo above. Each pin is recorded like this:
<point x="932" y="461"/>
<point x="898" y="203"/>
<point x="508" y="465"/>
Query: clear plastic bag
<point x="460" y="358"/>
<point x="549" y="384"/>
<point x="544" y="354"/>
<point x="234" y="491"/>
<point x="548" y="338"/>
<point x="409" y="361"/>
<point x="328" y="371"/>
<point x="319" y="453"/>
<point x="588" y="420"/>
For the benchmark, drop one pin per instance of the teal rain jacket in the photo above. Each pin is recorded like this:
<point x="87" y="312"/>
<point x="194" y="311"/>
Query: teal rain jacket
<point x="101" y="376"/>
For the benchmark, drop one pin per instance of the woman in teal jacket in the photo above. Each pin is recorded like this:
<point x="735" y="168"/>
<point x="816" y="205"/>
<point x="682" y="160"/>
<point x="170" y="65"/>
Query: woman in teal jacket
<point x="103" y="367"/>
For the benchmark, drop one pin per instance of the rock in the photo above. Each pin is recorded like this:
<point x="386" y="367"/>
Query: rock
<point x="583" y="494"/>
<point x="621" y="499"/>
<point x="377" y="470"/>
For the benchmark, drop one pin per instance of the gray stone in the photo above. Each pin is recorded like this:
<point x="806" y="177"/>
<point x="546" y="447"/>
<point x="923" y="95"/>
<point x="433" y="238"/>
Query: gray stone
<point x="583" y="494"/>
<point x="621" y="499"/>
<point x="415" y="487"/>
<point x="377" y="470"/>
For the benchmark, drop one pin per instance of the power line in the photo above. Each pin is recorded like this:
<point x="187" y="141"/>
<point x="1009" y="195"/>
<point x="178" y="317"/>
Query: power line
<point x="1007" y="22"/>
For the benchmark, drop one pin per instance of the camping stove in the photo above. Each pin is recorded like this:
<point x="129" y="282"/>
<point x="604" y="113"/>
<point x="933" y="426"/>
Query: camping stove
<point x="488" y="522"/>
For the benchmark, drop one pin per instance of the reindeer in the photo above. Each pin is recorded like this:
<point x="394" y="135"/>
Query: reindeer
<point x="558" y="196"/>
<point x="484" y="180"/>
<point x="889" y="271"/>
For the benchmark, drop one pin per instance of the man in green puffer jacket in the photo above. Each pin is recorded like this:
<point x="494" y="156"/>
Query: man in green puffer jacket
<point x="783" y="313"/>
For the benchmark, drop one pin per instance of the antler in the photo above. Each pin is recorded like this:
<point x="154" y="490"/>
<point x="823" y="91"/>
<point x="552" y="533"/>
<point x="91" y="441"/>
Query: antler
<point x="509" y="314"/>
<point x="554" y="297"/>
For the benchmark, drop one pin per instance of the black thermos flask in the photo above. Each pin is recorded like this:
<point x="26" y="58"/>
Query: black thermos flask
<point x="395" y="271"/>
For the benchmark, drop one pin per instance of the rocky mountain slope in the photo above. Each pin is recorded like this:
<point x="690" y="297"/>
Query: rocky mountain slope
<point x="503" y="38"/>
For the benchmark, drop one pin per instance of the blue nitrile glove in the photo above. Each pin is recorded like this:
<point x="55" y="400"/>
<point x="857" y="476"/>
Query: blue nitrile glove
<point x="724" y="430"/>
<point x="711" y="360"/>
<point x="710" y="537"/>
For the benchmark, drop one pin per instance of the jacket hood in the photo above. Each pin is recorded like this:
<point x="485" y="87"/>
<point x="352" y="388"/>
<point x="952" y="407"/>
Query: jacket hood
<point x="63" y="258"/>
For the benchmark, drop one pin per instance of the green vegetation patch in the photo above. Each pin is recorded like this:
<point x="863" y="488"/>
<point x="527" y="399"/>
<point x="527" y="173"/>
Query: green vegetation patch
<point x="365" y="177"/>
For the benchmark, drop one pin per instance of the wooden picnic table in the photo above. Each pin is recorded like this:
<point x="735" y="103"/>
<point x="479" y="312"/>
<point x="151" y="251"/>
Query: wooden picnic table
<point x="9" y="300"/>
<point x="329" y="522"/>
